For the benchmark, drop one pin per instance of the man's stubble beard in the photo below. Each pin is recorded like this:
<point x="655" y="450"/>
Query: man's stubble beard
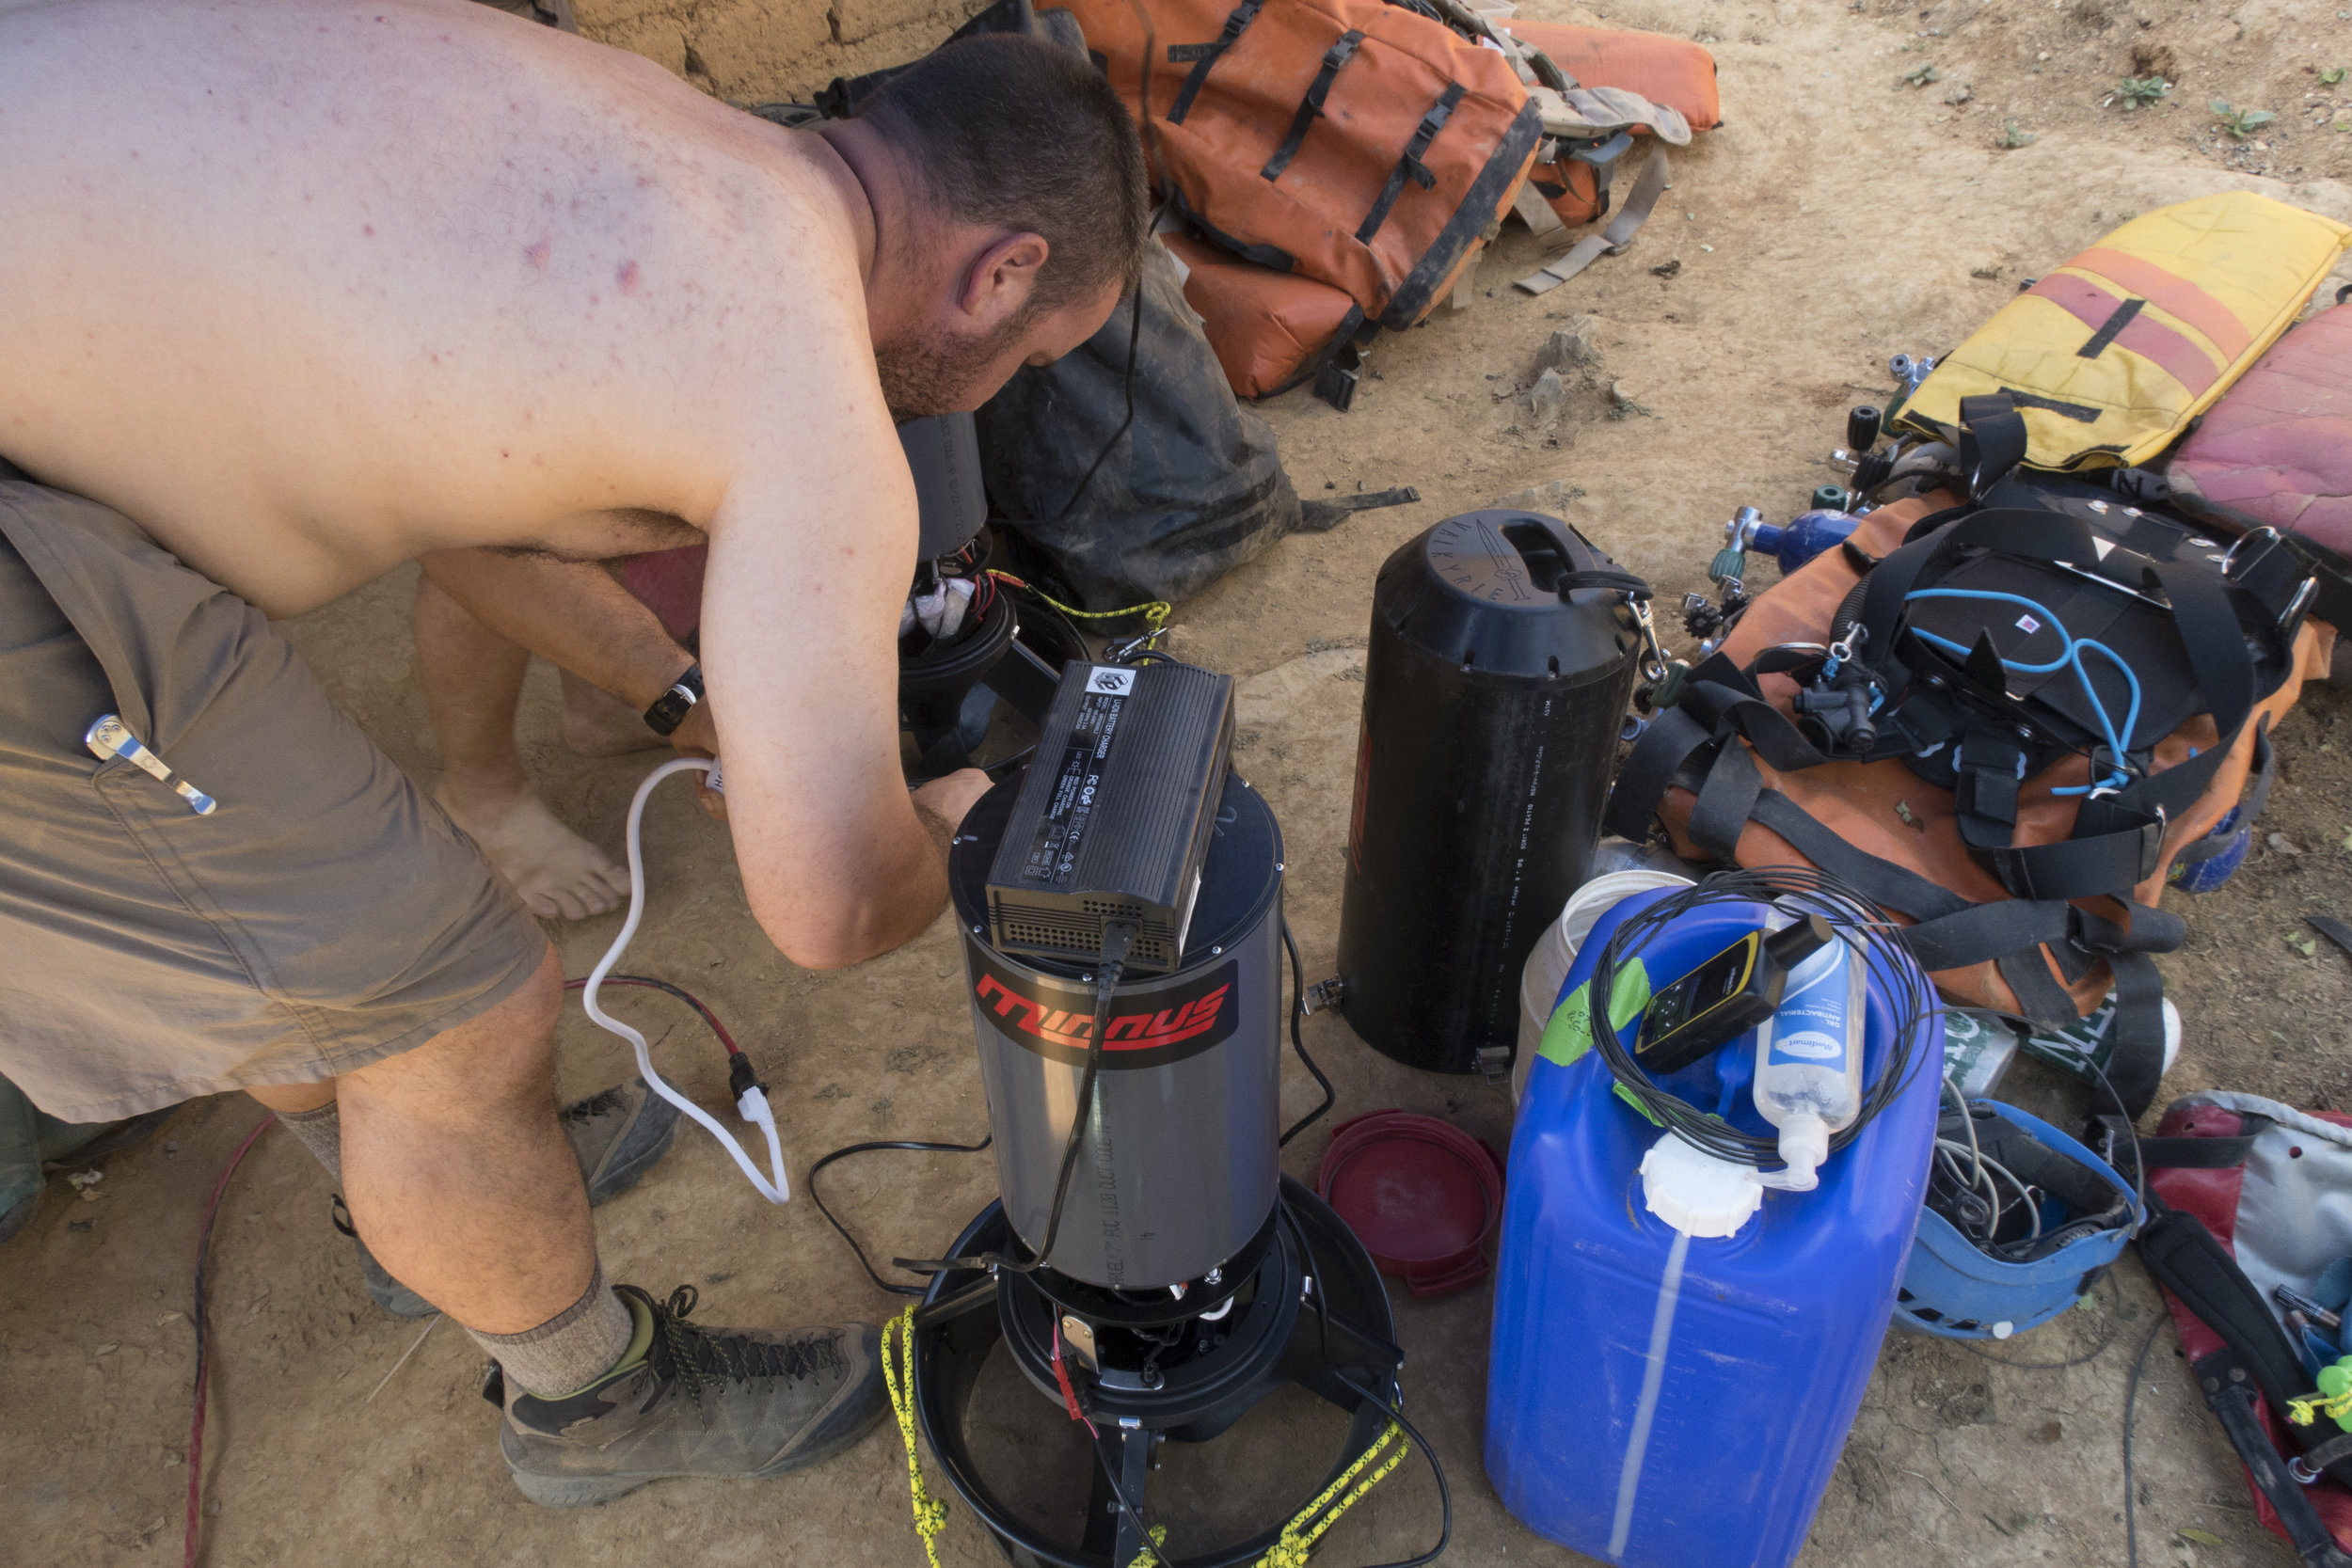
<point x="940" y="372"/>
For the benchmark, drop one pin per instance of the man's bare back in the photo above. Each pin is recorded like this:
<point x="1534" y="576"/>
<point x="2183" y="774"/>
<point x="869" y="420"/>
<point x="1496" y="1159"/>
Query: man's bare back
<point x="310" y="290"/>
<point x="307" y="291"/>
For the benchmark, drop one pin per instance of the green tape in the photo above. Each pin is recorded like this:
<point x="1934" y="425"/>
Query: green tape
<point x="1569" y="1033"/>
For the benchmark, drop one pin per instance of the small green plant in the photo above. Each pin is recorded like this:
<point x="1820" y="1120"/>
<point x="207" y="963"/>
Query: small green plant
<point x="1921" y="76"/>
<point x="2330" y="76"/>
<point x="2013" y="135"/>
<point x="2241" y="123"/>
<point x="2139" y="93"/>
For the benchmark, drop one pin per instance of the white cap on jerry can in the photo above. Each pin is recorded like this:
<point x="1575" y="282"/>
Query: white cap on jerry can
<point x="1694" y="1192"/>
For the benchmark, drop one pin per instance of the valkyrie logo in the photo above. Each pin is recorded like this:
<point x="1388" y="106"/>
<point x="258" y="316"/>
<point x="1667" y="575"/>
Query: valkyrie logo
<point x="1057" y="1020"/>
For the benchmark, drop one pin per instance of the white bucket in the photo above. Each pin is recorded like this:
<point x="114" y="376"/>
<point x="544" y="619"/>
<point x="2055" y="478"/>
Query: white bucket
<point x="1554" y="954"/>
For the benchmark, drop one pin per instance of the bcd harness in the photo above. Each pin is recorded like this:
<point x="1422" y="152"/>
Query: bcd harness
<point x="2042" y="623"/>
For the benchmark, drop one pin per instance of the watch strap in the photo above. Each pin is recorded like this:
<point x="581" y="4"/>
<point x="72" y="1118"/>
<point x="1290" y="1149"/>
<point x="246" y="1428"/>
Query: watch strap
<point x="670" y="709"/>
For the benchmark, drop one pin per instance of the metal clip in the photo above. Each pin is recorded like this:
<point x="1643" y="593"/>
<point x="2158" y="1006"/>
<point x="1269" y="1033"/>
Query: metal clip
<point x="1322" y="995"/>
<point x="110" y="737"/>
<point x="1842" y="651"/>
<point x="2229" y="562"/>
<point x="1654" y="663"/>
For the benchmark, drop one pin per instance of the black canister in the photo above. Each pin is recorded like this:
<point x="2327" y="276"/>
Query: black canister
<point x="1494" y="692"/>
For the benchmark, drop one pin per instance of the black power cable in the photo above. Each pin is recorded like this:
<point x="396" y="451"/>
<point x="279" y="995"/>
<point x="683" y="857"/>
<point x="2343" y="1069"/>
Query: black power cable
<point x="1798" y="888"/>
<point x="1118" y="939"/>
<point x="1298" y="1011"/>
<point x="1412" y="1433"/>
<point x="908" y="1145"/>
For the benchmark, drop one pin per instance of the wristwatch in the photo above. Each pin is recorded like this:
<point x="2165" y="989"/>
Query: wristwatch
<point x="670" y="709"/>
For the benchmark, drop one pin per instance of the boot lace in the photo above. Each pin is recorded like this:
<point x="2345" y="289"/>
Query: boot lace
<point x="702" y="1357"/>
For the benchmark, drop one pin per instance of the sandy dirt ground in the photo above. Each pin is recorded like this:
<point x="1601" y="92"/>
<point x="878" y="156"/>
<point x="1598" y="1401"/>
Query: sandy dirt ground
<point x="1842" y="214"/>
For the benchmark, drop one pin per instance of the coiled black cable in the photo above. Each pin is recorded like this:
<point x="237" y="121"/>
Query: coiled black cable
<point x="1798" y="889"/>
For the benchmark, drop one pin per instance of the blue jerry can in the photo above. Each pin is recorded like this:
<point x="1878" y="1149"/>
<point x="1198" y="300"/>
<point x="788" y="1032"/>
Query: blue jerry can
<point x="1668" y="1402"/>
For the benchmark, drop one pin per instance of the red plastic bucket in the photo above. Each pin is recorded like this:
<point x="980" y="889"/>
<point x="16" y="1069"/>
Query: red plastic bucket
<point x="1421" y="1195"/>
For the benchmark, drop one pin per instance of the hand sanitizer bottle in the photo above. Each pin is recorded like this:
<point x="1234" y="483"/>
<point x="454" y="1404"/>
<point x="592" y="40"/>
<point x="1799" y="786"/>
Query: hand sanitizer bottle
<point x="1809" y="1061"/>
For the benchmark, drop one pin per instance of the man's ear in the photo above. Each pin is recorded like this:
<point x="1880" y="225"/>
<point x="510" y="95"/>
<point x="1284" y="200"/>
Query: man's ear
<point x="998" y="285"/>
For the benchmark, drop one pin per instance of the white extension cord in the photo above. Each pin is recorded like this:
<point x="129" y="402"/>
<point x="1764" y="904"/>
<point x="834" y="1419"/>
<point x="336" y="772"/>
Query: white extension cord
<point x="752" y="1105"/>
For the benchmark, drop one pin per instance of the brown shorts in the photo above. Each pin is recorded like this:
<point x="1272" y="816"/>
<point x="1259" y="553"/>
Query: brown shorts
<point x="326" y="915"/>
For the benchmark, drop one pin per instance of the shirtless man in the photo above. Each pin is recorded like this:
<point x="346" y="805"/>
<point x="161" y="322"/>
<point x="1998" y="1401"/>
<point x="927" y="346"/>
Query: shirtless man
<point x="291" y="294"/>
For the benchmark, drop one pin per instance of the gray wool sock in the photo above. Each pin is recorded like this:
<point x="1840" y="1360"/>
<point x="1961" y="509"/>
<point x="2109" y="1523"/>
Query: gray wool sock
<point x="322" y="1133"/>
<point x="571" y="1350"/>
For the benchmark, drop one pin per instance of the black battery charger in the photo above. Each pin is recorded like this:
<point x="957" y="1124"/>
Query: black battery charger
<point x="1114" y="814"/>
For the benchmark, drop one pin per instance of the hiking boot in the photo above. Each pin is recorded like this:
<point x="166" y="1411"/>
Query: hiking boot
<point x="383" y="1289"/>
<point x="616" y="1136"/>
<point x="689" y="1401"/>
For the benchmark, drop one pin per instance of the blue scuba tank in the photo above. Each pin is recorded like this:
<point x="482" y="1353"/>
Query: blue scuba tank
<point x="1672" y="1401"/>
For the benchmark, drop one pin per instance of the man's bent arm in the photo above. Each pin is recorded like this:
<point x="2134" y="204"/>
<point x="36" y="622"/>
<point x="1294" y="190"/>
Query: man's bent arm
<point x="800" y="649"/>
<point x="573" y="613"/>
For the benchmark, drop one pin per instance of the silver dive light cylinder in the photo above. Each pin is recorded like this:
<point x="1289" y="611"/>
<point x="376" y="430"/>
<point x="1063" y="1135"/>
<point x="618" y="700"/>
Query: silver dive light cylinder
<point x="1179" y="1169"/>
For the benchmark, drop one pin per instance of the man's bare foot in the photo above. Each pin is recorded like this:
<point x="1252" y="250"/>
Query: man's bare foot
<point x="598" y="725"/>
<point x="560" y="875"/>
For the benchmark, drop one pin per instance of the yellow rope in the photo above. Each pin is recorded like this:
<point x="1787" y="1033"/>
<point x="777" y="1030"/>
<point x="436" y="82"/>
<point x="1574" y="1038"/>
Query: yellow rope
<point x="1154" y="612"/>
<point x="1148" y="1558"/>
<point x="1292" y="1549"/>
<point x="931" y="1516"/>
<point x="2304" y="1410"/>
<point x="1289" y="1551"/>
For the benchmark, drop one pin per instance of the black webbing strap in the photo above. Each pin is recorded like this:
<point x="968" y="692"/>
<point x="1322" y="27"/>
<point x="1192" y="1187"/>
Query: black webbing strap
<point x="2272" y="571"/>
<point x="1204" y="56"/>
<point x="2188" y="1260"/>
<point x="2250" y="809"/>
<point x="1310" y="106"/>
<point x="1643" y="782"/>
<point x="2110" y="330"/>
<point x="2112" y="862"/>
<point x="2134" y="1067"/>
<point x="1409" y="165"/>
<point x="1724" y="802"/>
<point x="1991" y="440"/>
<point x="2198" y="1153"/>
<point x="2012" y="933"/>
<point x="2230" y="1395"/>
<point x="1986" y="776"/>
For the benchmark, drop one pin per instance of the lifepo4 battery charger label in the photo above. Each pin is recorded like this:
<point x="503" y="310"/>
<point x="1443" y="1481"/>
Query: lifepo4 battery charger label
<point x="1078" y="781"/>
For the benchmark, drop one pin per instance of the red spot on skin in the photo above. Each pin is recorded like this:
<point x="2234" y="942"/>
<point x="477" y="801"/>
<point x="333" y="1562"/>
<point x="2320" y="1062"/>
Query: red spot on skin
<point x="503" y="452"/>
<point x="626" y="276"/>
<point x="537" y="255"/>
<point x="368" y="229"/>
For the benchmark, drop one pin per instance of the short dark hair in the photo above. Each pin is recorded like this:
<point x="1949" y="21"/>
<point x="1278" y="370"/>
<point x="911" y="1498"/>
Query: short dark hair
<point x="1013" y="131"/>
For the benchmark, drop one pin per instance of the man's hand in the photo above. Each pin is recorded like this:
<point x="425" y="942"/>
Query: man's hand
<point x="943" y="801"/>
<point x="697" y="735"/>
